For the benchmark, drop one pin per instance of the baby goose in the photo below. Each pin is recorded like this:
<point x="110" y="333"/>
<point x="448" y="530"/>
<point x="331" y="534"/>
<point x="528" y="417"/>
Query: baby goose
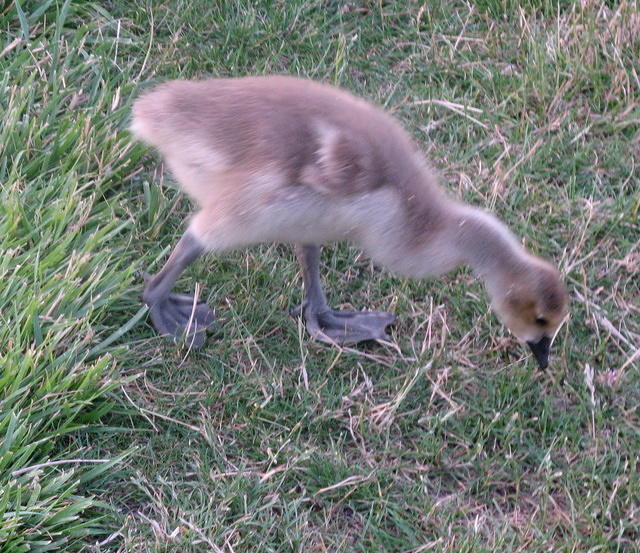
<point x="282" y="159"/>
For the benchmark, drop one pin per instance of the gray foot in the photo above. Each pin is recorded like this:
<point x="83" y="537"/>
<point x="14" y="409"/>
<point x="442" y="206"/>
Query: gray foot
<point x="346" y="327"/>
<point x="178" y="317"/>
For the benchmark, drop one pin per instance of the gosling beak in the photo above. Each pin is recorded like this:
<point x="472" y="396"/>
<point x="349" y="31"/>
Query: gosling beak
<point x="541" y="350"/>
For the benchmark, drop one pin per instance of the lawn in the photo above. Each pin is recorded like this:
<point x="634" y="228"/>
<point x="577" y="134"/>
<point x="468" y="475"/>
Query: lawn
<point x="445" y="439"/>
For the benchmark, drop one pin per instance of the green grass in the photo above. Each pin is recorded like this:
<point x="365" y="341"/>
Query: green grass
<point x="447" y="439"/>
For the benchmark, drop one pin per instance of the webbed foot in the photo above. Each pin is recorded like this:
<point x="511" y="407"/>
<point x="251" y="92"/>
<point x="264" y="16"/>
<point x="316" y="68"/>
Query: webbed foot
<point x="346" y="327"/>
<point x="179" y="316"/>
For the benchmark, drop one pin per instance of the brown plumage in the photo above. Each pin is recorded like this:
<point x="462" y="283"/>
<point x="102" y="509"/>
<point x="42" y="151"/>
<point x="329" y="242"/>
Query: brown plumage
<point x="291" y="160"/>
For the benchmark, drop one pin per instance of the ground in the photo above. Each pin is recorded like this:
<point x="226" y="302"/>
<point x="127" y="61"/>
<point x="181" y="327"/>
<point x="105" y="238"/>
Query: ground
<point x="445" y="439"/>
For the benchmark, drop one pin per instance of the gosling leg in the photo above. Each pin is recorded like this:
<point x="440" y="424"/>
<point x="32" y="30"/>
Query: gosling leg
<point x="325" y="324"/>
<point x="178" y="314"/>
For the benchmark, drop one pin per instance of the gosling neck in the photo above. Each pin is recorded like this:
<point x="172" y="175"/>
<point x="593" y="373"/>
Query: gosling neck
<point x="485" y="244"/>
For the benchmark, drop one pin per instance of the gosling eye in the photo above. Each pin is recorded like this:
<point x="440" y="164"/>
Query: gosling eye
<point x="541" y="321"/>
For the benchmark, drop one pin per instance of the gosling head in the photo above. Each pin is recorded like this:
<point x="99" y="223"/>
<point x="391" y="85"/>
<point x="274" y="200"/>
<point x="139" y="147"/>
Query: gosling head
<point x="532" y="302"/>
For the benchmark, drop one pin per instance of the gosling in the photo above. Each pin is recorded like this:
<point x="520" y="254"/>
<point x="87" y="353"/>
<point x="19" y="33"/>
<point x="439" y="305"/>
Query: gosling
<point x="283" y="159"/>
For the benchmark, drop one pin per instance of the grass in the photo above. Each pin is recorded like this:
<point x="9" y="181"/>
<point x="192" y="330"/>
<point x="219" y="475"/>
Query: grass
<point x="447" y="439"/>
